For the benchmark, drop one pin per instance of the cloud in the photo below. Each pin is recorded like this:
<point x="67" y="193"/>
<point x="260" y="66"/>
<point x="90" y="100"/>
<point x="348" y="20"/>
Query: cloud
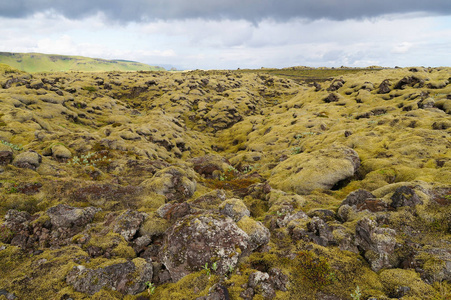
<point x="250" y="10"/>
<point x="230" y="44"/>
<point x="402" y="48"/>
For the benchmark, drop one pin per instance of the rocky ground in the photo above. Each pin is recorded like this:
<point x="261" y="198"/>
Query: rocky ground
<point x="225" y="185"/>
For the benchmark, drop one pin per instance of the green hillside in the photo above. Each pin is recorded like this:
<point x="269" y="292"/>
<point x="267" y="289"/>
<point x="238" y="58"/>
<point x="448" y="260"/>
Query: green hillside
<point x="37" y="62"/>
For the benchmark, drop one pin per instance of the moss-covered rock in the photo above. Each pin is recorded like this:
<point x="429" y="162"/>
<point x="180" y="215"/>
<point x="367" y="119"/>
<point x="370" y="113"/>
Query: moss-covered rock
<point x="234" y="208"/>
<point x="258" y="234"/>
<point x="61" y="153"/>
<point x="303" y="173"/>
<point x="30" y="160"/>
<point x="173" y="182"/>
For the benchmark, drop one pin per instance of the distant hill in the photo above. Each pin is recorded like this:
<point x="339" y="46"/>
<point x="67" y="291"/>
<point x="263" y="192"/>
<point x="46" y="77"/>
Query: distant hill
<point x="37" y="62"/>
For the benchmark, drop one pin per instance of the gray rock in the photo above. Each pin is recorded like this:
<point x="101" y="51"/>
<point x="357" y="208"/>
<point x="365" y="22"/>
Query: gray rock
<point x="278" y="279"/>
<point x="67" y="216"/>
<point x="378" y="244"/>
<point x="357" y="197"/>
<point x="262" y="280"/>
<point x="405" y="196"/>
<point x="129" y="278"/>
<point x="258" y="234"/>
<point x="320" y="233"/>
<point x="174" y="211"/>
<point x="128" y="223"/>
<point x="256" y="278"/>
<point x="216" y="292"/>
<point x="384" y="87"/>
<point x="9" y="296"/>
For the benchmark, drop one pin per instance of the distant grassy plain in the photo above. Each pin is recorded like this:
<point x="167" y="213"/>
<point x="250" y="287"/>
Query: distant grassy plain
<point x="37" y="62"/>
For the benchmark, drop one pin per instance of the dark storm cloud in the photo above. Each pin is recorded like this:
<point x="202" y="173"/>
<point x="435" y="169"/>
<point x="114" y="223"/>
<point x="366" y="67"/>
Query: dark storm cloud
<point x="252" y="10"/>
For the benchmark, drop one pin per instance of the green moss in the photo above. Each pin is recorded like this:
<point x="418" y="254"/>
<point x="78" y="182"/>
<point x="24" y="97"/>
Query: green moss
<point x="248" y="225"/>
<point x="395" y="278"/>
<point x="189" y="287"/>
<point x="49" y="270"/>
<point x="154" y="226"/>
<point x="89" y="89"/>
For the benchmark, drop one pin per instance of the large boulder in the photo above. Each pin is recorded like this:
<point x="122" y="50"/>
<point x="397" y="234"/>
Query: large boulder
<point x="322" y="169"/>
<point x="199" y="239"/>
<point x="128" y="278"/>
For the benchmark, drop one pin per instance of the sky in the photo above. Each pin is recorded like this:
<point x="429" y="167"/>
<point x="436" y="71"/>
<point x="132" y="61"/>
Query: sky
<point x="231" y="34"/>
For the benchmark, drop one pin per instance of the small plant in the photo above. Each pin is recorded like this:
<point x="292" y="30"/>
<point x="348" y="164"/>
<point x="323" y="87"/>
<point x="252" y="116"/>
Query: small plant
<point x="150" y="288"/>
<point x="90" y="159"/>
<point x="230" y="268"/>
<point x="248" y="169"/>
<point x="12" y="189"/>
<point x="279" y="213"/>
<point x="231" y="169"/>
<point x="357" y="294"/>
<point x="206" y="268"/>
<point x="12" y="146"/>
<point x="303" y="135"/>
<point x="295" y="150"/>
<point x="214" y="266"/>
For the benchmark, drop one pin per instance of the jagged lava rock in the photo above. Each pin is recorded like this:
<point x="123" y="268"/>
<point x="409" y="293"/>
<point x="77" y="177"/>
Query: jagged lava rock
<point x="378" y="244"/>
<point x="405" y="196"/>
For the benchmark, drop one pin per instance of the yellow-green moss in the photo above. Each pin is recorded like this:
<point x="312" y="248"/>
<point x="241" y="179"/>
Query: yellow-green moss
<point x="189" y="287"/>
<point x="154" y="226"/>
<point x="395" y="278"/>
